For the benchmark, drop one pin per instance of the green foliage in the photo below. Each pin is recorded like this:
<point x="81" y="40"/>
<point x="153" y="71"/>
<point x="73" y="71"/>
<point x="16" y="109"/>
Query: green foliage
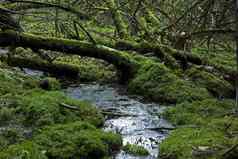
<point x="135" y="150"/>
<point x="77" y="139"/>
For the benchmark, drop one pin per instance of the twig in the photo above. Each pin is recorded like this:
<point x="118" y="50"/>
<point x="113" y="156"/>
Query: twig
<point x="69" y="106"/>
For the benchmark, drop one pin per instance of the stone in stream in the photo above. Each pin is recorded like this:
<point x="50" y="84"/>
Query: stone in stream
<point x="45" y="84"/>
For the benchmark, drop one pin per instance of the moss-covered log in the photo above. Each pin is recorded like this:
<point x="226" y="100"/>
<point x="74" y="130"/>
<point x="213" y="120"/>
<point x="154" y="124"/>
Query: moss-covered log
<point x="120" y="59"/>
<point x="160" y="51"/>
<point x="170" y="56"/>
<point x="56" y="69"/>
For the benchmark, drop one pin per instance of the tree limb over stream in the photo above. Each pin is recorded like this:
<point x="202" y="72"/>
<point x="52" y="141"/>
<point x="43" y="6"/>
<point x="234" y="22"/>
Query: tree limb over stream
<point x="118" y="58"/>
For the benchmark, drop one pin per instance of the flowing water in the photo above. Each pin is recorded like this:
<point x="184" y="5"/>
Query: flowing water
<point x="137" y="122"/>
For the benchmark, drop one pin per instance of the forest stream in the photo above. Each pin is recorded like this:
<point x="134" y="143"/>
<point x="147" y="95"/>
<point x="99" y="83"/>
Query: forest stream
<point x="137" y="122"/>
<point x="135" y="119"/>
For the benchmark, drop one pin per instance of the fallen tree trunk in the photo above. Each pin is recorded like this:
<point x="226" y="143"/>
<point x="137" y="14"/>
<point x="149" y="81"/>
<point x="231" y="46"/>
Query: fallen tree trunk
<point x="168" y="55"/>
<point x="161" y="51"/>
<point x="119" y="59"/>
<point x="56" y="69"/>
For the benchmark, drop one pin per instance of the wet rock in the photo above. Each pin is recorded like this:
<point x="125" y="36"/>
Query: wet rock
<point x="49" y="84"/>
<point x="45" y="84"/>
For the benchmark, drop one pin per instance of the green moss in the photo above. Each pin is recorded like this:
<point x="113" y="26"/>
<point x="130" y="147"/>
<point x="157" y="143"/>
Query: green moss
<point x="135" y="150"/>
<point x="25" y="150"/>
<point x="223" y="59"/>
<point x="213" y="83"/>
<point x="25" y="108"/>
<point x="30" y="83"/>
<point x="157" y="82"/>
<point x="12" y="135"/>
<point x="6" y="114"/>
<point x="44" y="107"/>
<point x="198" y="112"/>
<point x="77" y="139"/>
<point x="90" y="69"/>
<point x="209" y="128"/>
<point x="182" y="142"/>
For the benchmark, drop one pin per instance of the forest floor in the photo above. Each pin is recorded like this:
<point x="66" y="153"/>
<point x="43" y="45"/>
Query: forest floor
<point x="200" y="105"/>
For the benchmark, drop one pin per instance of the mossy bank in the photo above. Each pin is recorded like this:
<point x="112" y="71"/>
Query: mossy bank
<point x="34" y="124"/>
<point x="201" y="107"/>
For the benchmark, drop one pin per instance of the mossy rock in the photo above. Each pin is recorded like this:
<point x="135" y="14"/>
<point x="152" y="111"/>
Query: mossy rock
<point x="44" y="108"/>
<point x="25" y="150"/>
<point x="135" y="150"/>
<point x="216" y="85"/>
<point x="157" y="82"/>
<point x="77" y="140"/>
<point x="49" y="83"/>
